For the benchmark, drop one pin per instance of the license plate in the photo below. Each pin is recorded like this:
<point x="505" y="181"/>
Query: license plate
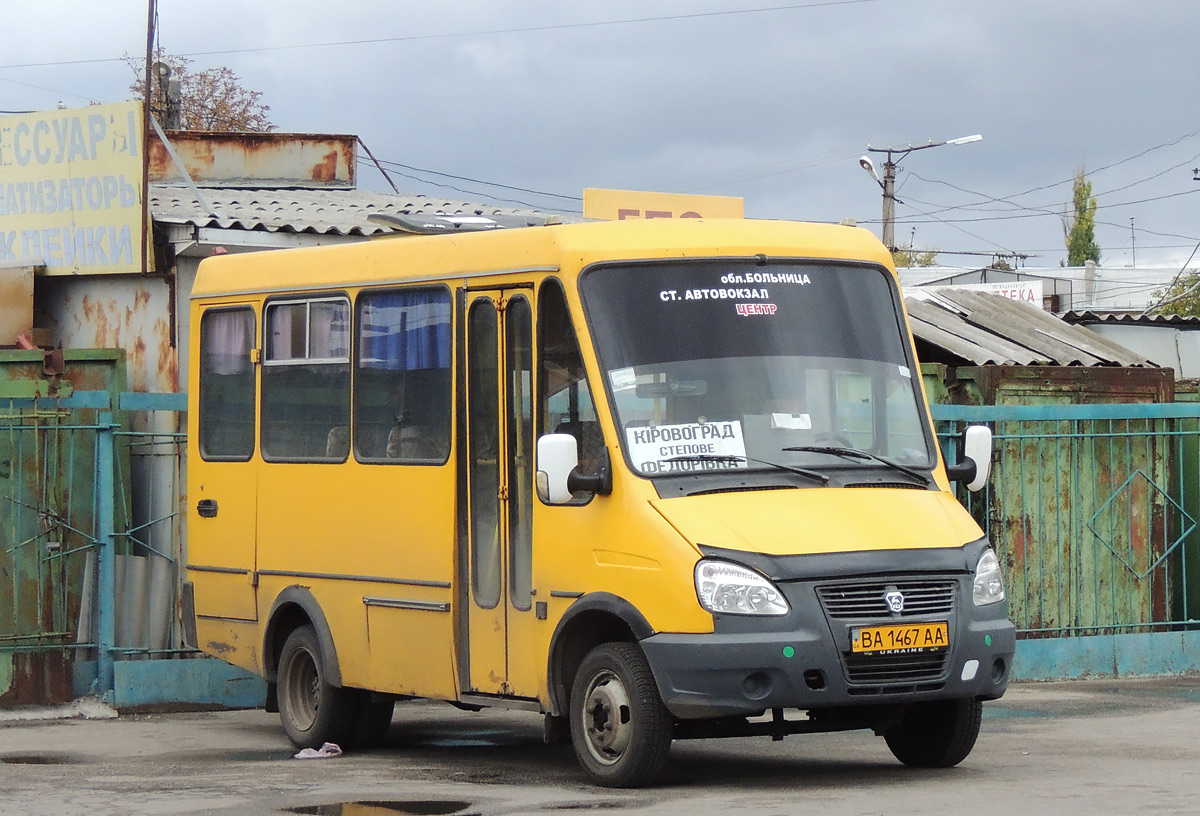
<point x="905" y="638"/>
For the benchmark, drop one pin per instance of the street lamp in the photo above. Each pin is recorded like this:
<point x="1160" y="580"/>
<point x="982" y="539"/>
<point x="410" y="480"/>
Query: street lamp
<point x="888" y="182"/>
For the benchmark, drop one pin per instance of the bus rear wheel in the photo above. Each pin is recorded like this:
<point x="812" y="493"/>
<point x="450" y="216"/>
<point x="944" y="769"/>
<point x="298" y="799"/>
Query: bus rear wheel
<point x="620" y="729"/>
<point x="937" y="734"/>
<point x="313" y="712"/>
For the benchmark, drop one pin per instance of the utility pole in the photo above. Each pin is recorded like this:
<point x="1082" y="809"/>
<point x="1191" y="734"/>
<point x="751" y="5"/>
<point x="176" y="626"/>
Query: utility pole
<point x="151" y="18"/>
<point x="888" y="182"/>
<point x="889" y="203"/>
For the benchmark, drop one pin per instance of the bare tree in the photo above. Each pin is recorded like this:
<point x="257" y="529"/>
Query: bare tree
<point x="212" y="99"/>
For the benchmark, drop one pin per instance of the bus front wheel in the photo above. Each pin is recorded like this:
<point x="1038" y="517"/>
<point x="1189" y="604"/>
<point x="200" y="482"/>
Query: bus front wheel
<point x="313" y="712"/>
<point x="936" y="734"/>
<point x="620" y="729"/>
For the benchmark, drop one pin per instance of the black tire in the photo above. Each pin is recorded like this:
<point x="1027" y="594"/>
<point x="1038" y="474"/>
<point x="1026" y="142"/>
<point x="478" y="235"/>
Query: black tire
<point x="313" y="712"/>
<point x="620" y="729"/>
<point x="372" y="721"/>
<point x="937" y="734"/>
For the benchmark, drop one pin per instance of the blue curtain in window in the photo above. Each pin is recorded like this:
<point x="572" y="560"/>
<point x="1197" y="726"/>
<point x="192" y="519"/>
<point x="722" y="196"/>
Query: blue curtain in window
<point x="405" y="330"/>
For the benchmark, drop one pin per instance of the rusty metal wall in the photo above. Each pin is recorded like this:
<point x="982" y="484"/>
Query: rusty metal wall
<point x="16" y="303"/>
<point x="130" y="312"/>
<point x="256" y="159"/>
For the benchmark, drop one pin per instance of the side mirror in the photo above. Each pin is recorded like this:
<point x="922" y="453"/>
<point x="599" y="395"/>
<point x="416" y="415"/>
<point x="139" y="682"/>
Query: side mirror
<point x="976" y="459"/>
<point x="557" y="456"/>
<point x="558" y="474"/>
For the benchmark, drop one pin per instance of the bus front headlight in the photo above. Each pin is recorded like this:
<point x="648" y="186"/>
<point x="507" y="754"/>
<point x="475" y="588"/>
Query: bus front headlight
<point x="989" y="585"/>
<point x="725" y="588"/>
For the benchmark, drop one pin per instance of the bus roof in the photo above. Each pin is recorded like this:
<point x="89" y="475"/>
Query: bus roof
<point x="550" y="248"/>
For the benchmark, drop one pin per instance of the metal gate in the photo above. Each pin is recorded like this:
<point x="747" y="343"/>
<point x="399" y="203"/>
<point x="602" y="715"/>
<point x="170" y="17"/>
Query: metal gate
<point x="1093" y="509"/>
<point x="89" y="540"/>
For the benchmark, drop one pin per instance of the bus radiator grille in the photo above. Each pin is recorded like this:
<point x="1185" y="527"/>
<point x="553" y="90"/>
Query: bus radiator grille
<point x="868" y="600"/>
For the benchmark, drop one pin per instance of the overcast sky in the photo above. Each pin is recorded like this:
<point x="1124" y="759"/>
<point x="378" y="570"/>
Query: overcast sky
<point x="771" y="101"/>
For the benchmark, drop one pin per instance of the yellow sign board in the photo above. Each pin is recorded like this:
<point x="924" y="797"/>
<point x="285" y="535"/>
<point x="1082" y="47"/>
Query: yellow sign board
<point x="71" y="190"/>
<point x="619" y="205"/>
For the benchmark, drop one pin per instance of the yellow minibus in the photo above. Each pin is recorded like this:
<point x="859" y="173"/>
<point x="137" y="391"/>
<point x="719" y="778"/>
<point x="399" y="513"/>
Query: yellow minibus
<point x="652" y="480"/>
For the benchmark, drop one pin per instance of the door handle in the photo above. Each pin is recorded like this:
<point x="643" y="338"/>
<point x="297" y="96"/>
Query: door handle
<point x="207" y="508"/>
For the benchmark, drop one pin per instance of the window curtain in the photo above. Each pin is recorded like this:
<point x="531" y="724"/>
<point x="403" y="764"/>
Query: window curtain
<point x="405" y="331"/>
<point x="227" y="338"/>
<point x="329" y="331"/>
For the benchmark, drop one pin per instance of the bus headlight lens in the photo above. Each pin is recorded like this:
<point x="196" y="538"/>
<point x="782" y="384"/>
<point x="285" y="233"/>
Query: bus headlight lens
<point x="725" y="588"/>
<point x="989" y="586"/>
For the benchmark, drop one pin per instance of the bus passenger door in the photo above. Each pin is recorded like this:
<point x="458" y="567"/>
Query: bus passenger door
<point x="495" y="543"/>
<point x="222" y="473"/>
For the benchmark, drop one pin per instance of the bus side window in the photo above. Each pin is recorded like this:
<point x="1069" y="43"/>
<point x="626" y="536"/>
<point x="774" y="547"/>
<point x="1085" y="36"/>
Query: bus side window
<point x="306" y="380"/>
<point x="226" y="403"/>
<point x="402" y="376"/>
<point x="564" y="398"/>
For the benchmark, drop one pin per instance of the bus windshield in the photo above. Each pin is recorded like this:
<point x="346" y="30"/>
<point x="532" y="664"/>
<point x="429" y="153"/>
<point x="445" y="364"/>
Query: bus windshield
<point x="747" y="364"/>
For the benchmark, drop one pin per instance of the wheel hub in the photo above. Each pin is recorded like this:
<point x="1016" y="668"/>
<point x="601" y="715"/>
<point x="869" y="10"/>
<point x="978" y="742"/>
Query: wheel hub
<point x="606" y="718"/>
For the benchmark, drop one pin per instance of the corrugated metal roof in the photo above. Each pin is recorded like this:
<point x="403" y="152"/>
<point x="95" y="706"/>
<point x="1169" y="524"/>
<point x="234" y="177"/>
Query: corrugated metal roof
<point x="1087" y="317"/>
<point x="986" y="329"/>
<point x="321" y="212"/>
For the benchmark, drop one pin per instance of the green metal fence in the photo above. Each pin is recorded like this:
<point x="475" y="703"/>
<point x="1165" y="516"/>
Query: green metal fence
<point x="1093" y="509"/>
<point x="89" y="531"/>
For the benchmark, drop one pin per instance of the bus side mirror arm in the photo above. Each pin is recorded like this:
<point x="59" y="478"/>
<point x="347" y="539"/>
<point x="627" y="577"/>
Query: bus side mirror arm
<point x="599" y="482"/>
<point x="558" y="474"/>
<point x="976" y="459"/>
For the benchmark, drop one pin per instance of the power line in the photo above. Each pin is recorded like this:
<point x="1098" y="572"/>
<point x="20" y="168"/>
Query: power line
<point x="1107" y="166"/>
<point x="1045" y="208"/>
<point x="954" y="225"/>
<point x="485" y="33"/>
<point x="1036" y="213"/>
<point x="467" y="192"/>
<point x="1165" y="299"/>
<point x="47" y="90"/>
<point x="480" y="181"/>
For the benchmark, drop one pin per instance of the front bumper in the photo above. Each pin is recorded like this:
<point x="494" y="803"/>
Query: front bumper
<point x="804" y="659"/>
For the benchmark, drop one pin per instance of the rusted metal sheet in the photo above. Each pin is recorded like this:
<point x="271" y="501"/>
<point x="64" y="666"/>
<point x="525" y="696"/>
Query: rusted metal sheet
<point x="131" y="314"/>
<point x="259" y="160"/>
<point x="1046" y="385"/>
<point x="36" y="678"/>
<point x="16" y="303"/>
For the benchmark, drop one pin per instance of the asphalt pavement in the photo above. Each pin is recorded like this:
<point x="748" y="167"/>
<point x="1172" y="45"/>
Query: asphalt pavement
<point x="1096" y="747"/>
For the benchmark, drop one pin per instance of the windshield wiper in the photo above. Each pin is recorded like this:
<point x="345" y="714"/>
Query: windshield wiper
<point x="816" y="476"/>
<point x="855" y="453"/>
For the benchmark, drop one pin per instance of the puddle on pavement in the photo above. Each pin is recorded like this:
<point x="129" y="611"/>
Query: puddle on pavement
<point x="1013" y="713"/>
<point x="603" y="804"/>
<point x="431" y="807"/>
<point x="36" y="759"/>
<point x="472" y="739"/>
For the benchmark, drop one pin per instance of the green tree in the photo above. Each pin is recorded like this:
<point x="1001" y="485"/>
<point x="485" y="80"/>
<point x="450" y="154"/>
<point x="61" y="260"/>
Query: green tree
<point x="907" y="256"/>
<point x="1181" y="298"/>
<point x="1080" y="230"/>
<point x="212" y="99"/>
